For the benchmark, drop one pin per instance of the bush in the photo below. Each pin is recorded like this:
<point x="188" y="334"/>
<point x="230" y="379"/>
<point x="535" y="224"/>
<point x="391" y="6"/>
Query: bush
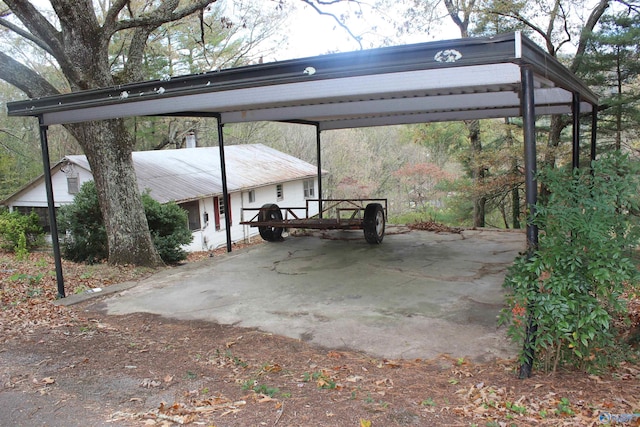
<point x="169" y="228"/>
<point x="20" y="232"/>
<point x="85" y="239"/>
<point x="571" y="288"/>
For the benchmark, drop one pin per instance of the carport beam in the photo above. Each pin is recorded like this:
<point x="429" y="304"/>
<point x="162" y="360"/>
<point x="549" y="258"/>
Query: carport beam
<point x="55" y="243"/>
<point x="225" y="193"/>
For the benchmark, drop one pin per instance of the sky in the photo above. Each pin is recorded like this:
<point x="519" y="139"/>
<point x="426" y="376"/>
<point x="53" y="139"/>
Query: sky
<point x="311" y="34"/>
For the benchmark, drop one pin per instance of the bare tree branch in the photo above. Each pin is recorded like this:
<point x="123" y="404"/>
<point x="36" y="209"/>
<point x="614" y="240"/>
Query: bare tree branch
<point x="26" y="34"/>
<point x="586" y="32"/>
<point x="112" y="14"/>
<point x="24" y="78"/>
<point x="314" y="6"/>
<point x="38" y="29"/>
<point x="163" y="14"/>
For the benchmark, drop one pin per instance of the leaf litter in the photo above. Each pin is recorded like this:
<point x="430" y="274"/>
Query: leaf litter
<point x="147" y="370"/>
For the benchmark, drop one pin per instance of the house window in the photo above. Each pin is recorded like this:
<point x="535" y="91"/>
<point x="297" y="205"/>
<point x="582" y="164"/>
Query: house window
<point x="221" y="207"/>
<point x="309" y="188"/>
<point x="252" y="196"/>
<point x="43" y="215"/>
<point x="279" y="192"/>
<point x="72" y="184"/>
<point x="193" y="211"/>
<point x="220" y="211"/>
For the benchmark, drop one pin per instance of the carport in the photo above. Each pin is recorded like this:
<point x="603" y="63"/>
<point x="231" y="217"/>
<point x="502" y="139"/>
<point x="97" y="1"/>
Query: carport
<point x="465" y="79"/>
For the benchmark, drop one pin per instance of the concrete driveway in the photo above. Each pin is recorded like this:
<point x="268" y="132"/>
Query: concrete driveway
<point x="417" y="295"/>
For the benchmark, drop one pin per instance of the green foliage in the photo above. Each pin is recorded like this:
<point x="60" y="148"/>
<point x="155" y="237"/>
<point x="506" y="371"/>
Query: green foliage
<point x="169" y="228"/>
<point x="571" y="287"/>
<point x="85" y="239"/>
<point x="611" y="65"/>
<point x="21" y="250"/>
<point x="20" y="233"/>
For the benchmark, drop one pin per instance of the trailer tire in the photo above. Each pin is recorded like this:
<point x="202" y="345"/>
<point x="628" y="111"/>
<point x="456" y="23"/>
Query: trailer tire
<point x="270" y="212"/>
<point x="373" y="223"/>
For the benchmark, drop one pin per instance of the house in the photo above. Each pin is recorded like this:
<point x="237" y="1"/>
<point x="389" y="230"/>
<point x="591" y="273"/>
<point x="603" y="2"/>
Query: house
<point x="191" y="177"/>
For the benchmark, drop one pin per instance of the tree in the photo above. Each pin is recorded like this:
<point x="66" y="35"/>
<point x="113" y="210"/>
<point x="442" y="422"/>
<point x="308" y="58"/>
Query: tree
<point x="85" y="237"/>
<point x="555" y="24"/>
<point x="79" y="39"/>
<point x="611" y="66"/>
<point x="99" y="45"/>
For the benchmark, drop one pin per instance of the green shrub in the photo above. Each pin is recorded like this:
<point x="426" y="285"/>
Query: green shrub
<point x="169" y="228"/>
<point x="571" y="288"/>
<point x="85" y="237"/>
<point x="18" y="231"/>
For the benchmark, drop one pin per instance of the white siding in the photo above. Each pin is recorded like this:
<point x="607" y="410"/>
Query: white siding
<point x="36" y="195"/>
<point x="209" y="238"/>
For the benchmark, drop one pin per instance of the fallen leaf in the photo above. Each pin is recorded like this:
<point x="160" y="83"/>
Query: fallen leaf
<point x="48" y="380"/>
<point x="365" y="423"/>
<point x="392" y="363"/>
<point x="148" y="383"/>
<point x="387" y="382"/>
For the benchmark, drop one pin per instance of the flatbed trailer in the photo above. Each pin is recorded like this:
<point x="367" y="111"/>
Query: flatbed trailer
<point x="368" y="215"/>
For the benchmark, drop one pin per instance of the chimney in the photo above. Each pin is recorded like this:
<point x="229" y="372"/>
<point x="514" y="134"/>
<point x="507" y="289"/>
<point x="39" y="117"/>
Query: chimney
<point x="190" y="140"/>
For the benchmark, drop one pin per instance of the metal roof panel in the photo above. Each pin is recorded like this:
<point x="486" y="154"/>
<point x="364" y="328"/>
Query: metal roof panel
<point x="192" y="173"/>
<point x="280" y="91"/>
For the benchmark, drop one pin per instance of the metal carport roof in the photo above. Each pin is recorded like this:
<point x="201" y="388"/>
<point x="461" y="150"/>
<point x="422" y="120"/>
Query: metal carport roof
<point x="471" y="78"/>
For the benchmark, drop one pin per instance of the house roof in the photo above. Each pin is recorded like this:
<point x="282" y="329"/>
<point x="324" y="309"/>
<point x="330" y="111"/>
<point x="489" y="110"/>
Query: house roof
<point x="471" y="78"/>
<point x="192" y="173"/>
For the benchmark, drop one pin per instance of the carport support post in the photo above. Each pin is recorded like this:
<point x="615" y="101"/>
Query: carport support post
<point x="44" y="145"/>
<point x="575" y="108"/>
<point x="225" y="193"/>
<point x="594" y="130"/>
<point x="531" y="190"/>
<point x="319" y="160"/>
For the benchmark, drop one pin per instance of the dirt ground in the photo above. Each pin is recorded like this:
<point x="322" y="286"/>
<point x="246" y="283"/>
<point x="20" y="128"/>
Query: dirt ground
<point x="77" y="366"/>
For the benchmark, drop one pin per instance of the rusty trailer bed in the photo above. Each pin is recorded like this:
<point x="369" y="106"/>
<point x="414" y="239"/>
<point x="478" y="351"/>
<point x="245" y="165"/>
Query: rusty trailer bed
<point x="339" y="214"/>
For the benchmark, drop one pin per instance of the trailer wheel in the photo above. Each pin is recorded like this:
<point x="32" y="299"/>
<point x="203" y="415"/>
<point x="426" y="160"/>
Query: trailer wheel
<point x="270" y="212"/>
<point x="373" y="223"/>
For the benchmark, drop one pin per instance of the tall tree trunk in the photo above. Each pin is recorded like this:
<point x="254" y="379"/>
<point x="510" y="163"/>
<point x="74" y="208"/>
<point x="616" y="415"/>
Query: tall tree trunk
<point x="515" y="193"/>
<point x="477" y="173"/>
<point x="79" y="41"/>
<point x="108" y="147"/>
<point x="558" y="123"/>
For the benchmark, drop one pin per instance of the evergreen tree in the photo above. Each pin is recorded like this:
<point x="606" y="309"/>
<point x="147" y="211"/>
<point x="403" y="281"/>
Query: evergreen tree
<point x="612" y="65"/>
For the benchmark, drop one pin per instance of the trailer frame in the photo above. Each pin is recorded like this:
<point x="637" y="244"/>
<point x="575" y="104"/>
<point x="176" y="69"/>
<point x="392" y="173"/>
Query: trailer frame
<point x="368" y="214"/>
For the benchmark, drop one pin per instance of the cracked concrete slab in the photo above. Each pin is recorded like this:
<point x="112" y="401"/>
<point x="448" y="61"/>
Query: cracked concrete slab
<point x="417" y="295"/>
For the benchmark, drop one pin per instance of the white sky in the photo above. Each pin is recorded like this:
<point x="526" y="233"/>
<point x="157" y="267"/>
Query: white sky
<point x="312" y="34"/>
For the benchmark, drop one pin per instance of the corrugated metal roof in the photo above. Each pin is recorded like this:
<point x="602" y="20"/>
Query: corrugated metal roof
<point x="464" y="79"/>
<point x="192" y="173"/>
